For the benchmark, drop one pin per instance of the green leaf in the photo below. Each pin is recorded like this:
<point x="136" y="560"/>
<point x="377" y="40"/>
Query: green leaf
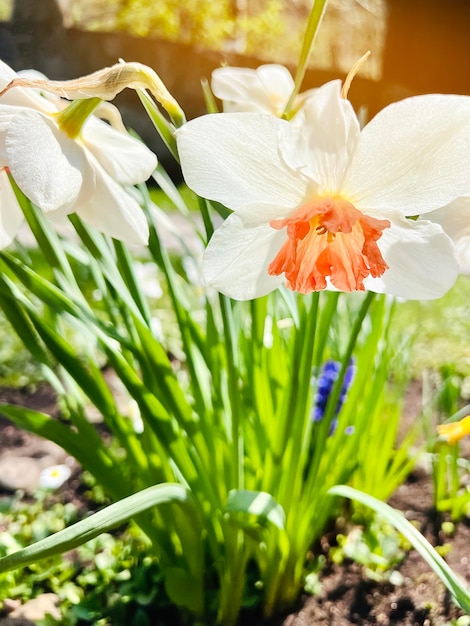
<point x="455" y="585"/>
<point x="78" y="444"/>
<point x="258" y="503"/>
<point x="98" y="523"/>
<point x="164" y="128"/>
<point x="43" y="425"/>
<point x="184" y="589"/>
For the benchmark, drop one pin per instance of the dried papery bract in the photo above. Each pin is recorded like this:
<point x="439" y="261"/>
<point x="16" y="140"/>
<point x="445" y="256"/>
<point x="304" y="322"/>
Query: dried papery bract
<point x="106" y="84"/>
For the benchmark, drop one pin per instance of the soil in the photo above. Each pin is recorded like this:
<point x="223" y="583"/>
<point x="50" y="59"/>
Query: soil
<point x="347" y="596"/>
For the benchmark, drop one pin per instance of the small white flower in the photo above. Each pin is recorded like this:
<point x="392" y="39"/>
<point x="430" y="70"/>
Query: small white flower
<point x="327" y="206"/>
<point x="268" y="337"/>
<point x="54" y="476"/>
<point x="147" y="277"/>
<point x="266" y="89"/>
<point x="133" y="413"/>
<point x="63" y="169"/>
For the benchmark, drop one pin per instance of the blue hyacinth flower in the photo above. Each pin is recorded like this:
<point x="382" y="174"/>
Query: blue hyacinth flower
<point x="327" y="378"/>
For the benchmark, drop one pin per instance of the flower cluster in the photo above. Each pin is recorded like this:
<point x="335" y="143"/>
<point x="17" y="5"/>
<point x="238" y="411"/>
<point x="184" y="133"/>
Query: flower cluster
<point x="324" y="386"/>
<point x="322" y="203"/>
<point x="67" y="160"/>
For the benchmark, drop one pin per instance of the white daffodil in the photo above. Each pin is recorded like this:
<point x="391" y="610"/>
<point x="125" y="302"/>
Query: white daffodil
<point x="66" y="160"/>
<point x="266" y="89"/>
<point x="328" y="206"/>
<point x="455" y="221"/>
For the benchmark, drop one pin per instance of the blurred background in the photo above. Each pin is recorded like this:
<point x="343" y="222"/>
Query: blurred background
<point x="417" y="46"/>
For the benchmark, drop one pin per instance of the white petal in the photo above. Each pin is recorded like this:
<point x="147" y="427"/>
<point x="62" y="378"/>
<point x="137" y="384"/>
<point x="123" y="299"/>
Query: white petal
<point x="455" y="220"/>
<point x="463" y="254"/>
<point x="236" y="259"/>
<point x="45" y="163"/>
<point x="327" y="141"/>
<point x="111" y="210"/>
<point x="7" y="113"/>
<point x="126" y="159"/>
<point x="414" y="156"/>
<point x="421" y="258"/>
<point x="264" y="90"/>
<point x="262" y="213"/>
<point x="6" y="74"/>
<point x="233" y="158"/>
<point x="18" y="96"/>
<point x="11" y="216"/>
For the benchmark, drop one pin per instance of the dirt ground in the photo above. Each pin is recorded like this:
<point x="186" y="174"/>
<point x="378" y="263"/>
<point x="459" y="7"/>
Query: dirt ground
<point x="347" y="597"/>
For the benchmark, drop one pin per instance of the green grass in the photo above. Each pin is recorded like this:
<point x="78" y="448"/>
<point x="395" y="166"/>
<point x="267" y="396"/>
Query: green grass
<point x="440" y="329"/>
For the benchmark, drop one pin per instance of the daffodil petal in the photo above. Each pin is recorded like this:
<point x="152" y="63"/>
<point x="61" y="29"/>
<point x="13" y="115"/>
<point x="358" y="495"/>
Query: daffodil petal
<point x="455" y="220"/>
<point x="413" y="157"/>
<point x="111" y="210"/>
<point x="7" y="113"/>
<point x="276" y="78"/>
<point x="233" y="158"/>
<point x="11" y="216"/>
<point x="126" y="159"/>
<point x="323" y="148"/>
<point x="454" y="431"/>
<point x="262" y="213"/>
<point x="421" y="258"/>
<point x="236" y="259"/>
<point x="6" y="74"/>
<point x="44" y="162"/>
<point x="463" y="254"/>
<point x="19" y="96"/>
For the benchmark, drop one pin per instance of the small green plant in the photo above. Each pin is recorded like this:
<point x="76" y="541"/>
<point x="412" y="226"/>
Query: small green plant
<point x="457" y="587"/>
<point x="110" y="579"/>
<point x="444" y="407"/>
<point x="377" y="547"/>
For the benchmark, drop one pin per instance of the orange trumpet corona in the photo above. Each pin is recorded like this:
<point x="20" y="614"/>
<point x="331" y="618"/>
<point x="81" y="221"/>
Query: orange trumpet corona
<point x="329" y="238"/>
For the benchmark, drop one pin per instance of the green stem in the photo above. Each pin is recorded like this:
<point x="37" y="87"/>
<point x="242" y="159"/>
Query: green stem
<point x="313" y="24"/>
<point x="323" y="431"/>
<point x="236" y="480"/>
<point x="301" y="421"/>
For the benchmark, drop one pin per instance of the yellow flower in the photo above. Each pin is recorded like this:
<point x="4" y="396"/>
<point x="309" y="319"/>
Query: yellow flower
<point x="456" y="431"/>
